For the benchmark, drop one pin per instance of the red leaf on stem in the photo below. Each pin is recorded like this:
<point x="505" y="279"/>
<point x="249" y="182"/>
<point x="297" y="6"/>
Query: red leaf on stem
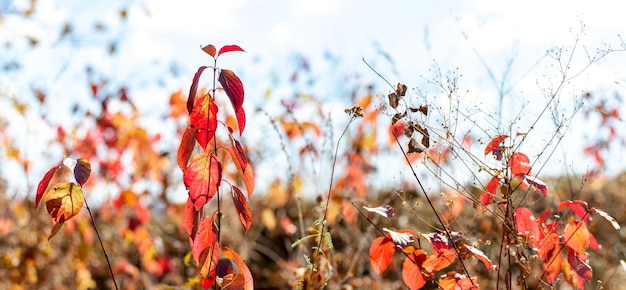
<point x="234" y="89"/>
<point x="381" y="252"/>
<point x="204" y="117"/>
<point x="229" y="48"/>
<point x="194" y="88"/>
<point x="43" y="184"/>
<point x="202" y="178"/>
<point x="187" y="143"/>
<point x="519" y="164"/>
<point x="243" y="208"/>
<point x="527" y="225"/>
<point x="412" y="268"/>
<point x="494" y="143"/>
<point x="576" y="236"/>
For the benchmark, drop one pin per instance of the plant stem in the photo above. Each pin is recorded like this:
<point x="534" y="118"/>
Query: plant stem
<point x="93" y="222"/>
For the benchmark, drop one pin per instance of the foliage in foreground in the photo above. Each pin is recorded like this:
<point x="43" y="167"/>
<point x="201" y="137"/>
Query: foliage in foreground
<point x="503" y="227"/>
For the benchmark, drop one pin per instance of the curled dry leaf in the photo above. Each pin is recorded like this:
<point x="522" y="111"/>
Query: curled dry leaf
<point x="401" y="238"/>
<point x="383" y="210"/>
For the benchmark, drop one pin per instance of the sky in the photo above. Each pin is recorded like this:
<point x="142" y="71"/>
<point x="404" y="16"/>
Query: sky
<point x="404" y="40"/>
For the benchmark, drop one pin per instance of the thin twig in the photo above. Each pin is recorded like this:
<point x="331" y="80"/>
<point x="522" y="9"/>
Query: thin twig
<point x="93" y="222"/>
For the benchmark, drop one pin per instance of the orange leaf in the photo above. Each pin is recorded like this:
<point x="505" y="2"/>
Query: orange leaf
<point x="412" y="269"/>
<point x="186" y="146"/>
<point x="455" y="281"/>
<point x="569" y="203"/>
<point x="209" y="49"/>
<point x="242" y="275"/>
<point x="234" y="89"/>
<point x="204" y="117"/>
<point x="229" y="48"/>
<point x="64" y="201"/>
<point x="551" y="256"/>
<point x="441" y="259"/>
<point x="494" y="143"/>
<point x="576" y="236"/>
<point x="202" y="178"/>
<point x="243" y="208"/>
<point x="43" y="184"/>
<point x="193" y="89"/>
<point x="519" y="164"/>
<point x="381" y="252"/>
<point x="203" y="247"/>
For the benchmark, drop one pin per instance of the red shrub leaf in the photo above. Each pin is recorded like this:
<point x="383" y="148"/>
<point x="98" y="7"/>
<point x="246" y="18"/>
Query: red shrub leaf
<point x="194" y="88"/>
<point x="519" y="164"/>
<point x="243" y="208"/>
<point x="229" y="48"/>
<point x="441" y="259"/>
<point x="243" y="276"/>
<point x="569" y="203"/>
<point x="576" y="236"/>
<point x="204" y="117"/>
<point x="190" y="219"/>
<point x="527" y="225"/>
<point x="187" y="143"/>
<point x="202" y="178"/>
<point x="494" y="143"/>
<point x="580" y="267"/>
<point x="381" y="252"/>
<point x="412" y="269"/>
<point x="537" y="184"/>
<point x="43" y="184"/>
<point x="453" y="281"/>
<point x="234" y="89"/>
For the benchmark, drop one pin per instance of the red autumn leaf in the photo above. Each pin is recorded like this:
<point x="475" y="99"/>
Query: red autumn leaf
<point x="568" y="203"/>
<point x="204" y="117"/>
<point x="576" y="236"/>
<point x="439" y="260"/>
<point x="243" y="208"/>
<point x="519" y="164"/>
<point x="243" y="272"/>
<point x="412" y="268"/>
<point x="552" y="242"/>
<point x="440" y="240"/>
<point x="209" y="258"/>
<point x="229" y="48"/>
<point x="242" y="164"/>
<point x="527" y="225"/>
<point x="491" y="189"/>
<point x="478" y="254"/>
<point x="396" y="129"/>
<point x="580" y="267"/>
<point x="234" y="89"/>
<point x="194" y="89"/>
<point x="205" y="238"/>
<point x="190" y="219"/>
<point x="187" y="143"/>
<point x="494" y="143"/>
<point x="43" y="184"/>
<point x="456" y="281"/>
<point x="202" y="178"/>
<point x="549" y="252"/>
<point x="537" y="184"/>
<point x="381" y="252"/>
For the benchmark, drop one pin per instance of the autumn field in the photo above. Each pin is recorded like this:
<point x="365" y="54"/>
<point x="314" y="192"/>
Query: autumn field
<point x="186" y="180"/>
